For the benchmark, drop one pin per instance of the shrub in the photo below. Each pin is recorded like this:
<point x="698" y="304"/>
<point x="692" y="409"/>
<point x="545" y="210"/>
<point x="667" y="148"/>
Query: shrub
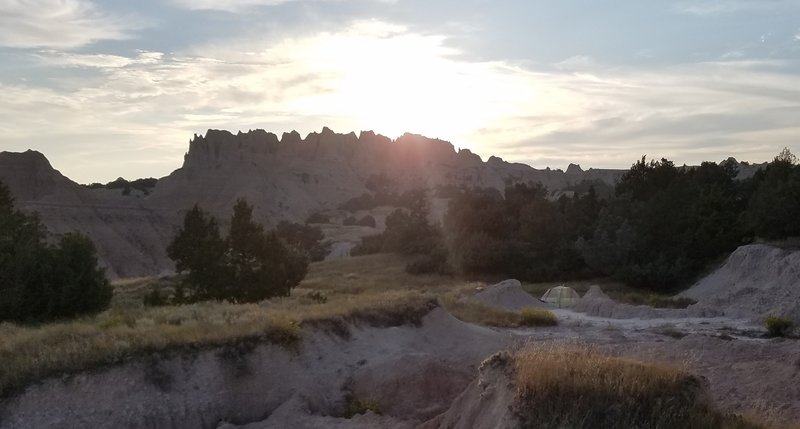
<point x="350" y="221"/>
<point x="657" y="301"/>
<point x="318" y="297"/>
<point x="537" y="317"/>
<point x="248" y="266"/>
<point x="318" y="217"/>
<point x="155" y="298"/>
<point x="355" y="406"/>
<point x="778" y="326"/>
<point x="434" y="262"/>
<point x="367" y="221"/>
<point x="43" y="281"/>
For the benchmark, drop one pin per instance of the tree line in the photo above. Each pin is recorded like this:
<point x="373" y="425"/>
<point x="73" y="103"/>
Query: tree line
<point x="660" y="229"/>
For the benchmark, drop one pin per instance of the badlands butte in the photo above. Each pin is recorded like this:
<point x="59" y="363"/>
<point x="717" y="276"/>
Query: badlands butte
<point x="284" y="179"/>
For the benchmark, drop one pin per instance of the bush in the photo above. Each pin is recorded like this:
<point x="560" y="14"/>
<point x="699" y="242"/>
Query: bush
<point x="778" y="326"/>
<point x="350" y="221"/>
<point x="248" y="266"/>
<point x="43" y="281"/>
<point x="537" y="317"/>
<point x="657" y="301"/>
<point x="367" y="221"/>
<point x="430" y="263"/>
<point x="318" y="217"/>
<point x="355" y="406"/>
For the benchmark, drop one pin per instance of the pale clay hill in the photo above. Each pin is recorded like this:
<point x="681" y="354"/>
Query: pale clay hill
<point x="285" y="178"/>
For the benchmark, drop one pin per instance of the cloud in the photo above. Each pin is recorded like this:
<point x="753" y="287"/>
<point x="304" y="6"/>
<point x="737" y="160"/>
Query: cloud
<point x="241" y="5"/>
<point x="386" y="77"/>
<point x="58" y="24"/>
<point x="720" y="7"/>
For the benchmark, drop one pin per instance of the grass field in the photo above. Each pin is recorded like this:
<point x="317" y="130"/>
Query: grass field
<point x="370" y="290"/>
<point x="574" y="386"/>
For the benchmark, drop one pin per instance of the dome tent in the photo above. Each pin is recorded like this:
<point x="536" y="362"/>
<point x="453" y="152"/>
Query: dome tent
<point x="561" y="296"/>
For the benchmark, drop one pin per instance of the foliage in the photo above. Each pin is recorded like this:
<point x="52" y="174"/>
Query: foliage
<point x="318" y="217"/>
<point x="143" y="185"/>
<point x="367" y="221"/>
<point x="355" y="406"/>
<point x="433" y="262"/>
<point x="577" y="387"/>
<point x="666" y="224"/>
<point x="778" y="326"/>
<point x="40" y="281"/>
<point x="199" y="250"/>
<point x="409" y="232"/>
<point x="306" y="239"/>
<point x="773" y="211"/>
<point x="537" y="317"/>
<point x="247" y="266"/>
<point x="657" y="301"/>
<point x="522" y="234"/>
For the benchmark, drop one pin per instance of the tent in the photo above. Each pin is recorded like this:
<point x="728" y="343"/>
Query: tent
<point x="561" y="296"/>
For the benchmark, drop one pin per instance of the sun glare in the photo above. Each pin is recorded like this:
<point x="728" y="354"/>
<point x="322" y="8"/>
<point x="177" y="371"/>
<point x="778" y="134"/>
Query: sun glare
<point x="386" y="79"/>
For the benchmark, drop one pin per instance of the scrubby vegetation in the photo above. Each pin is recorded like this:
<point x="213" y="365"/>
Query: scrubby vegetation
<point x="142" y="185"/>
<point x="249" y="265"/>
<point x="43" y="278"/>
<point x="355" y="406"/>
<point x="409" y="232"/>
<point x="577" y="387"/>
<point x="778" y="326"/>
<point x="482" y="314"/>
<point x="370" y="290"/>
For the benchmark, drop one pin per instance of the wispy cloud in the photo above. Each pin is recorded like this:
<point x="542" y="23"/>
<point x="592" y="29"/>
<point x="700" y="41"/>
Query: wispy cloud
<point x="386" y="77"/>
<point x="242" y="5"/>
<point x="59" y="24"/>
<point x="719" y="7"/>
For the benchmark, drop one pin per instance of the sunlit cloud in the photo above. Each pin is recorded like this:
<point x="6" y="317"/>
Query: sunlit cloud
<point x="59" y="24"/>
<point x="386" y="77"/>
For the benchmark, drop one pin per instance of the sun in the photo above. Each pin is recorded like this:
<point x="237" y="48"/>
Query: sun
<point x="384" y="78"/>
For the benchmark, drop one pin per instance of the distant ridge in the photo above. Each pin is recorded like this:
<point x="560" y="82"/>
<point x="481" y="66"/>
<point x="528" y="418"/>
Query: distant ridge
<point x="285" y="178"/>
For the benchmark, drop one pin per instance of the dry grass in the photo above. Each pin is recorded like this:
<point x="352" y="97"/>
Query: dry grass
<point x="482" y="314"/>
<point x="577" y="387"/>
<point x="370" y="291"/>
<point x="537" y="317"/>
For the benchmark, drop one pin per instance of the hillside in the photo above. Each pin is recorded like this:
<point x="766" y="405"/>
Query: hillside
<point x="285" y="178"/>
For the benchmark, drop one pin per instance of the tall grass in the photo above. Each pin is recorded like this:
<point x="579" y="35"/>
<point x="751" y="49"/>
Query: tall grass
<point x="577" y="387"/>
<point x="482" y="314"/>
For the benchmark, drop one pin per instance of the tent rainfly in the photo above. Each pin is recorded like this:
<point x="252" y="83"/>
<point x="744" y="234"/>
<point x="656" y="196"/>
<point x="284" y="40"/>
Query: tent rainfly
<point x="561" y="296"/>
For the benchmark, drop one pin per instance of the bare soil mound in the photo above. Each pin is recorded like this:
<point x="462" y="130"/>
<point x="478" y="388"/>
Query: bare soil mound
<point x="508" y="295"/>
<point x="488" y="402"/>
<point x="756" y="281"/>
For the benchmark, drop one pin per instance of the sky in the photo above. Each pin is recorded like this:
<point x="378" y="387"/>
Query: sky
<point x="115" y="88"/>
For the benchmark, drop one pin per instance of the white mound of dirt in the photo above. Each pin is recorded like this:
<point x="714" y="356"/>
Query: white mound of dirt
<point x="508" y="295"/>
<point x="756" y="281"/>
<point x="488" y="402"/>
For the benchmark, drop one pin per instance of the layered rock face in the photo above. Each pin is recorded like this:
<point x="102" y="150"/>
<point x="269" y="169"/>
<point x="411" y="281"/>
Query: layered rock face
<point x="284" y="178"/>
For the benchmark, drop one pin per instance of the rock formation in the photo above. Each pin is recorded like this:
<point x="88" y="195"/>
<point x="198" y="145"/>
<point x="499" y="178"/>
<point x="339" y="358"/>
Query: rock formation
<point x="284" y="178"/>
